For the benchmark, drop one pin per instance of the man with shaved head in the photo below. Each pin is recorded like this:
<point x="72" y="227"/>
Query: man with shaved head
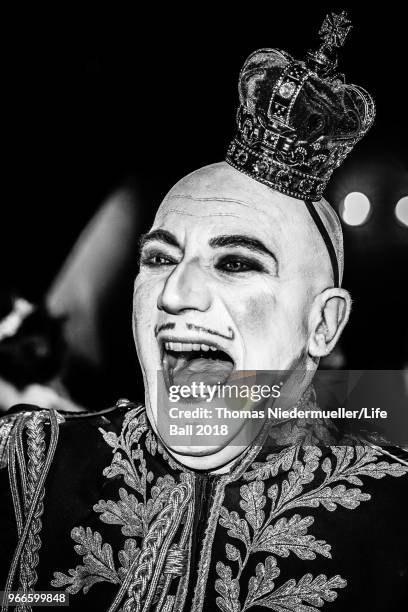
<point x="239" y="281"/>
<point x="232" y="261"/>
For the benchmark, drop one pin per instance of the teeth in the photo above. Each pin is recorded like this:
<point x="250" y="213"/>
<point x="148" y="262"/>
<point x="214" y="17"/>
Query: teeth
<point x="187" y="346"/>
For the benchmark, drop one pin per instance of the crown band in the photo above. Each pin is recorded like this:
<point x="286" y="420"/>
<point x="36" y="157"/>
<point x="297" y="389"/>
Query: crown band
<point x="273" y="173"/>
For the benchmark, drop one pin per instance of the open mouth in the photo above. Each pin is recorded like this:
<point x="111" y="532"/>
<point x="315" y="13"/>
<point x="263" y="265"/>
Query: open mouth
<point x="184" y="363"/>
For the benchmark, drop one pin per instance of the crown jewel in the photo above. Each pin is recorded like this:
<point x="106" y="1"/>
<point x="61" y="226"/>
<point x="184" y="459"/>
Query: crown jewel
<point x="298" y="120"/>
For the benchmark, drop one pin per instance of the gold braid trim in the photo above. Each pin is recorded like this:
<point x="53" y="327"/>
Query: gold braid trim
<point x="155" y="548"/>
<point x="31" y="489"/>
<point x="36" y="459"/>
<point x="5" y="428"/>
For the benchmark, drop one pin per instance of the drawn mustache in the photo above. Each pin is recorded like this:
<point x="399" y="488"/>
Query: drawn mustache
<point x="199" y="328"/>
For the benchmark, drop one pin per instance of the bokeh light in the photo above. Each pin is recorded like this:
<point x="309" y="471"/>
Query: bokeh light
<point x="401" y="211"/>
<point x="355" y="209"/>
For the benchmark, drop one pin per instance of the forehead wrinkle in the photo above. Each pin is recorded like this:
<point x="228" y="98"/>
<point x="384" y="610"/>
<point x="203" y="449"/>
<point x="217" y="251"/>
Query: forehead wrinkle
<point x="209" y="199"/>
<point x="277" y="213"/>
<point x="188" y="214"/>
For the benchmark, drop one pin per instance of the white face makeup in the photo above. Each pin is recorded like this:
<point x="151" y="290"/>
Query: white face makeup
<point x="227" y="276"/>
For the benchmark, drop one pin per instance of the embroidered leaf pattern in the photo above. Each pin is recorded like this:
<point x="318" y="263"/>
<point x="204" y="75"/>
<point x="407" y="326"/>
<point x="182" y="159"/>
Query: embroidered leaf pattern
<point x="123" y="467"/>
<point x="124" y="458"/>
<point x="263" y="581"/>
<point x="252" y="502"/>
<point x="309" y="591"/>
<point x="331" y="497"/>
<point x="287" y="536"/>
<point x="304" y="432"/>
<point x="98" y="563"/>
<point x="265" y="523"/>
<point x="237" y="527"/>
<point x="127" y="556"/>
<point x="110" y="438"/>
<point x="132" y="512"/>
<point x="125" y="512"/>
<point x="151" y="443"/>
<point x="273" y="463"/>
<point x="228" y="588"/>
<point x="233" y="553"/>
<point x="311" y="481"/>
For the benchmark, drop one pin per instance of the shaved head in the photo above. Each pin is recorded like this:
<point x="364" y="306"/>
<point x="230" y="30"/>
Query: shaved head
<point x="224" y="184"/>
<point x="230" y="261"/>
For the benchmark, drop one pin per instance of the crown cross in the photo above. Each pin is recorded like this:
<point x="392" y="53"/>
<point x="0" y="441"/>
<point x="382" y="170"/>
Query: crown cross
<point x="334" y="30"/>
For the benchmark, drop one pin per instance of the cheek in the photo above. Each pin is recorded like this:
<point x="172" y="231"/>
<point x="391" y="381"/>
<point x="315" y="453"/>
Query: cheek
<point x="256" y="313"/>
<point x="145" y="293"/>
<point x="144" y="305"/>
<point x="263" y="315"/>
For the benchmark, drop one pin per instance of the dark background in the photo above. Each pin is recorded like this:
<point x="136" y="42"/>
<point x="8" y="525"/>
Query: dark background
<point x="92" y="99"/>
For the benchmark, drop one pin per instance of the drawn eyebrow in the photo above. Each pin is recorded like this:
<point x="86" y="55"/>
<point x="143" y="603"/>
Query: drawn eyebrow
<point x="226" y="240"/>
<point x="161" y="235"/>
<point x="240" y="240"/>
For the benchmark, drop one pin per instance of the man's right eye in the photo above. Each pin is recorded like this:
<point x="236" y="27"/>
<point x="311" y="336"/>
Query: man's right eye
<point x="155" y="260"/>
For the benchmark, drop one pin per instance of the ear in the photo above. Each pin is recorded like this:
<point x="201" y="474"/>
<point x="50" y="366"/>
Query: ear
<point x="328" y="316"/>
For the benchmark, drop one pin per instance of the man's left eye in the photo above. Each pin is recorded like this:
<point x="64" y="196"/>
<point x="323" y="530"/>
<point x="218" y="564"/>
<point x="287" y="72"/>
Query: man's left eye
<point x="236" y="265"/>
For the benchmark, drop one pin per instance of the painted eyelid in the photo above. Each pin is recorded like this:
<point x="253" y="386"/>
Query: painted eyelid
<point x="152" y="251"/>
<point x="244" y="259"/>
<point x="271" y="270"/>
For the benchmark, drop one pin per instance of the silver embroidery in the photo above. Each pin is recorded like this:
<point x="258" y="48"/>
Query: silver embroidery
<point x="138" y="514"/>
<point x="281" y="536"/>
<point x="36" y="459"/>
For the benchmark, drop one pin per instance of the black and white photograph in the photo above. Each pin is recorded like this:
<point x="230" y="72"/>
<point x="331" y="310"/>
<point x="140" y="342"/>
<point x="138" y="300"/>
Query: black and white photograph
<point x="204" y="309"/>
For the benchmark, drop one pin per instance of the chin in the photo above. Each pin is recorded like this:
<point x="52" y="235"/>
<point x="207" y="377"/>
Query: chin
<point x="195" y="451"/>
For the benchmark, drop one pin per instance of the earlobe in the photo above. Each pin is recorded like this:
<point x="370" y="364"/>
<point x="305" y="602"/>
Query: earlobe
<point x="328" y="317"/>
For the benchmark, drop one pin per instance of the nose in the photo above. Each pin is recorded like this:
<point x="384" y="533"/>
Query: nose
<point x="185" y="289"/>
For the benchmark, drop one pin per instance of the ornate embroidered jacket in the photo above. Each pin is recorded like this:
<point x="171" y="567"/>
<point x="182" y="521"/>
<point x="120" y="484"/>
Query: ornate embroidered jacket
<point x="91" y="504"/>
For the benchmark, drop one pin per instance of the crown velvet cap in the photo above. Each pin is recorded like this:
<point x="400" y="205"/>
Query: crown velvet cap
<point x="298" y="120"/>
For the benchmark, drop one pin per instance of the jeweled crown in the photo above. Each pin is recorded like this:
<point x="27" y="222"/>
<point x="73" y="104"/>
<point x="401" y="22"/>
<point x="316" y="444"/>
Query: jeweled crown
<point x="298" y="120"/>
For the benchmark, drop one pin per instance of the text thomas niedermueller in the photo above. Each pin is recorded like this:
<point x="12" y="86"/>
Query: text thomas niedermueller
<point x="277" y="413"/>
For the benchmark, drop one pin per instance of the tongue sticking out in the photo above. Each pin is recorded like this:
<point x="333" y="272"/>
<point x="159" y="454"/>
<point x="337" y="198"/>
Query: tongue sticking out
<point x="184" y="368"/>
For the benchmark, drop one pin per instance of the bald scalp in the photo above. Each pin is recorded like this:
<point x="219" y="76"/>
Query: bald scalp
<point x="222" y="183"/>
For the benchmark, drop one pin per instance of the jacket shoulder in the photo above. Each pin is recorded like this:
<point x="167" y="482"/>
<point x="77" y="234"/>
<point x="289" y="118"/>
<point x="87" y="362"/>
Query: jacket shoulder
<point x="17" y="416"/>
<point x="122" y="405"/>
